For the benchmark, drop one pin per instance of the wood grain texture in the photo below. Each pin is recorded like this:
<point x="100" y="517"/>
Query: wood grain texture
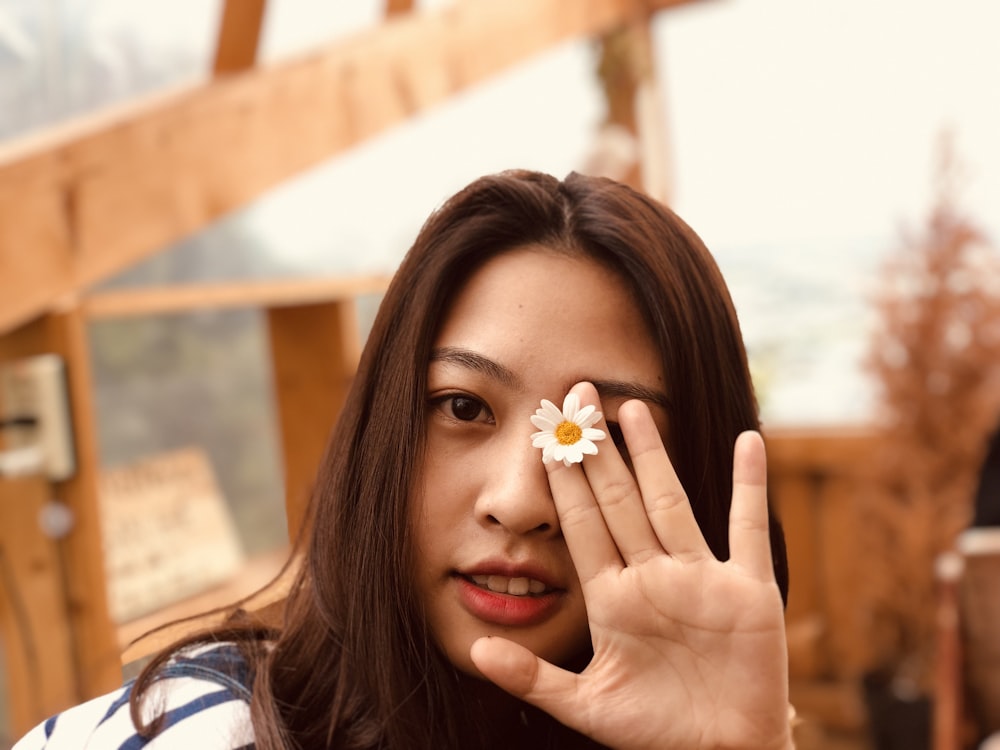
<point x="95" y="651"/>
<point x="34" y="628"/>
<point x="81" y="205"/>
<point x="314" y="353"/>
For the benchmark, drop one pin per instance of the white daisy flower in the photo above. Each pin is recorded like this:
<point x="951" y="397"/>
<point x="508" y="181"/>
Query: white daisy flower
<point x="566" y="435"/>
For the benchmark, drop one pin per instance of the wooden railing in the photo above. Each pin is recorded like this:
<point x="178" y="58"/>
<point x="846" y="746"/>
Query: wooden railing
<point x="816" y="477"/>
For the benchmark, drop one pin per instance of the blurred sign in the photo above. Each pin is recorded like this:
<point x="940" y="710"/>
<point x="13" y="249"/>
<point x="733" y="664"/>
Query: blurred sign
<point x="168" y="533"/>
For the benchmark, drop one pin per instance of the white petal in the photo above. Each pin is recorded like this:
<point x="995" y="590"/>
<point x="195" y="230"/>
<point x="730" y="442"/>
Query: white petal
<point x="571" y="405"/>
<point x="542" y="439"/>
<point x="581" y="416"/>
<point x="591" y="433"/>
<point x="542" y="422"/>
<point x="591" y="420"/>
<point x="550" y="411"/>
<point x="548" y="453"/>
<point x="587" y="447"/>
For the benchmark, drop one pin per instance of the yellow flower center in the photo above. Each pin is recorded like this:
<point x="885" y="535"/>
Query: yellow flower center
<point x="568" y="433"/>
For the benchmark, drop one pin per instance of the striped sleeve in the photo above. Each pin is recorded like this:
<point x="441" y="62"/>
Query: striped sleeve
<point x="198" y="713"/>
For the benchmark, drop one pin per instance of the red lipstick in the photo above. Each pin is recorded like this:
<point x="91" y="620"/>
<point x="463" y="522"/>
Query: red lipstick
<point x="498" y="607"/>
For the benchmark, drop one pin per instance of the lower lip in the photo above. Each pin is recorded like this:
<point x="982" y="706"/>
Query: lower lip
<point x="505" y="609"/>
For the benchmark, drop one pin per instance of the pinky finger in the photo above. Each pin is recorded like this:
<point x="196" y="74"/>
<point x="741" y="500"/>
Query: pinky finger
<point x="749" y="534"/>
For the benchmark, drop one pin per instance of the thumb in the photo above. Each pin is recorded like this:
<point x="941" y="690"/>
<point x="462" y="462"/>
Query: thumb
<point x="522" y="674"/>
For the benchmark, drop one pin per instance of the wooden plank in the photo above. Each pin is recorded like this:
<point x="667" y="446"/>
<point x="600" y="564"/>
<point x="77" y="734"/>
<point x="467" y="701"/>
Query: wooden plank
<point x="795" y="498"/>
<point x="835" y="450"/>
<point x="78" y="209"/>
<point x="397" y="7"/>
<point x="314" y="351"/>
<point x="239" y="34"/>
<point x="263" y="579"/>
<point x="949" y="685"/>
<point x="34" y="626"/>
<point x="835" y="705"/>
<point x="845" y="566"/>
<point x="124" y="303"/>
<point x="979" y="600"/>
<point x="95" y="649"/>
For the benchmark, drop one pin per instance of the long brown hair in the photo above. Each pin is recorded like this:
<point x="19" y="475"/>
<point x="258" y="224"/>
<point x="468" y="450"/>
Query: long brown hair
<point x="354" y="665"/>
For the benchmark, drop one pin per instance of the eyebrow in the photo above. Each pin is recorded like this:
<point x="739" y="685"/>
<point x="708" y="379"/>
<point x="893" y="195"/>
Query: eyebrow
<point x="492" y="369"/>
<point x="628" y="390"/>
<point x="475" y="361"/>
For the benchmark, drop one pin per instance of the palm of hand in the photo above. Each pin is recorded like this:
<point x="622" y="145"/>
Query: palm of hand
<point x="702" y="641"/>
<point x="689" y="651"/>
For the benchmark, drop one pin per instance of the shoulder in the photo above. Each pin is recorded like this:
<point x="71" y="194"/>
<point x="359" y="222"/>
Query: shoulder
<point x="202" y="694"/>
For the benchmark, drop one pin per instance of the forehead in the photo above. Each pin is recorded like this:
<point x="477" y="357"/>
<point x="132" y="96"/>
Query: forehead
<point x="548" y="314"/>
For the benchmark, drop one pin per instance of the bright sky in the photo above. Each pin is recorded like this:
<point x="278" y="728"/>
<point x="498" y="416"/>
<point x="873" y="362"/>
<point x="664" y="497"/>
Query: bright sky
<point x="804" y="118"/>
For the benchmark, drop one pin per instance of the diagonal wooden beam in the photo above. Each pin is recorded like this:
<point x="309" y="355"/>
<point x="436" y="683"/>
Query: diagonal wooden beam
<point x="82" y="207"/>
<point x="239" y="34"/>
<point x="396" y="7"/>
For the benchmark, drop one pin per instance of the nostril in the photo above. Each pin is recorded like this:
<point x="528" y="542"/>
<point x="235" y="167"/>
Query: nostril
<point x="493" y="519"/>
<point x="543" y="527"/>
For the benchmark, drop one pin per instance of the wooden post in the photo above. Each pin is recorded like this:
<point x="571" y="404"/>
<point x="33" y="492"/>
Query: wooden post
<point x="398" y="7"/>
<point x="34" y="623"/>
<point x="95" y="659"/>
<point x="627" y="71"/>
<point x="949" y="685"/>
<point x="314" y="351"/>
<point x="239" y="35"/>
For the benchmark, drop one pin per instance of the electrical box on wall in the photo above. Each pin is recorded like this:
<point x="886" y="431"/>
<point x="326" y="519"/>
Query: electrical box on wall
<point x="35" y="416"/>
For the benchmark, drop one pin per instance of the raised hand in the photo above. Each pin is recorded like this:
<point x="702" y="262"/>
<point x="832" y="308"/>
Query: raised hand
<point x="689" y="651"/>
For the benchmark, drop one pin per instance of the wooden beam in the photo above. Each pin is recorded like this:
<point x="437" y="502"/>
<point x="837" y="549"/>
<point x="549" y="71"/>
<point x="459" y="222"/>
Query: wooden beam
<point x="239" y="34"/>
<point x="314" y="351"/>
<point x="95" y="649"/>
<point x="34" y="622"/>
<point x="397" y="7"/>
<point x="126" y="303"/>
<point x="79" y="208"/>
<point x="264" y="582"/>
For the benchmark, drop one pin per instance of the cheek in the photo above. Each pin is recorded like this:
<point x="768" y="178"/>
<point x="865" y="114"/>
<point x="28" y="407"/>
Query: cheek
<point x="439" y="505"/>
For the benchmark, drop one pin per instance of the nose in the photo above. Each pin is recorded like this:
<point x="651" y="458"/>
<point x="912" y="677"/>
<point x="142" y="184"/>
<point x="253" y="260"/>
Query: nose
<point x="516" y="494"/>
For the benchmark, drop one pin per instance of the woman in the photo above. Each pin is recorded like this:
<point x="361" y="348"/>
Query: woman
<point x="445" y="558"/>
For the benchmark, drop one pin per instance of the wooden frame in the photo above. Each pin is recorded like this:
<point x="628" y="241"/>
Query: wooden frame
<point x="121" y="186"/>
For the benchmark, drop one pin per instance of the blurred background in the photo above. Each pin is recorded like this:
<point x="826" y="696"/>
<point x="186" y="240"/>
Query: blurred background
<point x="829" y="153"/>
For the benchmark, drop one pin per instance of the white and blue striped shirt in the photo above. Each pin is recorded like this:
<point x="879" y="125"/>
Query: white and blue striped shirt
<point x="202" y="694"/>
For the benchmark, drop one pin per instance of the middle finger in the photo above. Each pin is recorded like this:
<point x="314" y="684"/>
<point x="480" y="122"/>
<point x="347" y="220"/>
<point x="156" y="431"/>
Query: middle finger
<point x="617" y="495"/>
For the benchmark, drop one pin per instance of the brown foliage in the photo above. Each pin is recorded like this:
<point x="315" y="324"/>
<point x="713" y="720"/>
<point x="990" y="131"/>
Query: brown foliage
<point x="935" y="353"/>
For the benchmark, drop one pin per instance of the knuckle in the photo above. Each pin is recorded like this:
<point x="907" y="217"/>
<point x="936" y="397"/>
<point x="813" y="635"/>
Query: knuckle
<point x="667" y="501"/>
<point x="616" y="492"/>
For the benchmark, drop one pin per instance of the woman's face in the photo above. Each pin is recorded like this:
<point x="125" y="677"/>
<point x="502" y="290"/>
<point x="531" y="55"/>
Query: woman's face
<point x="491" y="559"/>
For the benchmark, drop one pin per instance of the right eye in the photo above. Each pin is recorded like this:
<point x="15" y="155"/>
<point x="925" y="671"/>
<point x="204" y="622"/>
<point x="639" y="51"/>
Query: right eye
<point x="464" y="408"/>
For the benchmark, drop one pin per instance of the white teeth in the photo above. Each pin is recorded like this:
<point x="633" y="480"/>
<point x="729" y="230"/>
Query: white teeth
<point x="512" y="586"/>
<point x="518" y="586"/>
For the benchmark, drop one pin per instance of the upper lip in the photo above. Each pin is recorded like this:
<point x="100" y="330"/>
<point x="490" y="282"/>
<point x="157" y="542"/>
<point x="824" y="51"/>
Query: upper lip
<point x="510" y="569"/>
